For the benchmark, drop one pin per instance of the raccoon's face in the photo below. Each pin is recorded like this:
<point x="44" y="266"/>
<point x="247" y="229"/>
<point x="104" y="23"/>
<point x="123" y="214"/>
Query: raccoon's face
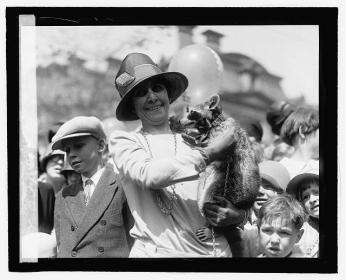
<point x="200" y="112"/>
<point x="208" y="110"/>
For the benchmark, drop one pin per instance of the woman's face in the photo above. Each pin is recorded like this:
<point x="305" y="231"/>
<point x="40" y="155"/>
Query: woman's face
<point x="151" y="103"/>
<point x="54" y="166"/>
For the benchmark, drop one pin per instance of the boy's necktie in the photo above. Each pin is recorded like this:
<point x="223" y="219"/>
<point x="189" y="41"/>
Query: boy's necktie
<point x="87" y="190"/>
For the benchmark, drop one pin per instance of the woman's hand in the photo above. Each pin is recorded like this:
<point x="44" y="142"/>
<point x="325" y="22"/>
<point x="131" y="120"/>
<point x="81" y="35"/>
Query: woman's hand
<point x="223" y="213"/>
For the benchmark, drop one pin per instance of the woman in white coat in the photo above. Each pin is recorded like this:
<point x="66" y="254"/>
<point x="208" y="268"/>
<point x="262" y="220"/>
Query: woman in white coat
<point x="159" y="172"/>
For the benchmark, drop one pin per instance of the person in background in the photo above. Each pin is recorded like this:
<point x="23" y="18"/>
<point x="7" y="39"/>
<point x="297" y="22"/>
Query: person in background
<point x="280" y="222"/>
<point x="52" y="163"/>
<point x="160" y="172"/>
<point x="276" y="116"/>
<point x="53" y="129"/>
<point x="91" y="217"/>
<point x="281" y="150"/>
<point x="274" y="180"/>
<point x="46" y="201"/>
<point x="71" y="176"/>
<point x="305" y="188"/>
<point x="301" y="130"/>
<point x="255" y="132"/>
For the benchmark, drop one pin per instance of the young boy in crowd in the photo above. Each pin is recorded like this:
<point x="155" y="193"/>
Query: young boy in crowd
<point x="274" y="180"/>
<point x="90" y="215"/>
<point x="280" y="224"/>
<point x="305" y="188"/>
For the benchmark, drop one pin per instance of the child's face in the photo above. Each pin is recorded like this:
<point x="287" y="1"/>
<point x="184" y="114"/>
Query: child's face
<point x="311" y="201"/>
<point x="83" y="154"/>
<point x="277" y="238"/>
<point x="266" y="191"/>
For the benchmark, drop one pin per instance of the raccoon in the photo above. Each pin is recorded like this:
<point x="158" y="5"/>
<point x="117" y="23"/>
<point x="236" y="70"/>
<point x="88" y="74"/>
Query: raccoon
<point x="237" y="177"/>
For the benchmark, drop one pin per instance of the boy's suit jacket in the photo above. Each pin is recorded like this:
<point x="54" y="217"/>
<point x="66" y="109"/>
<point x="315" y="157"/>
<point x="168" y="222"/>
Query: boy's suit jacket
<point x="100" y="229"/>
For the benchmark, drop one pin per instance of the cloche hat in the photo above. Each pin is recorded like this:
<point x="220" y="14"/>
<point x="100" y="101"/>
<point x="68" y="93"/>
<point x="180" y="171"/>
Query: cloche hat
<point x="137" y="68"/>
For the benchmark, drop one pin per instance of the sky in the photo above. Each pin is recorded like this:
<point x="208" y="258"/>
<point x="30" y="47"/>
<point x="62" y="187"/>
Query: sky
<point x="290" y="52"/>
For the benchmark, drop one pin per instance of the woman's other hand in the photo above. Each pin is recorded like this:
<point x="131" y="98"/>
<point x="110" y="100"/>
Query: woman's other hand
<point x="223" y="213"/>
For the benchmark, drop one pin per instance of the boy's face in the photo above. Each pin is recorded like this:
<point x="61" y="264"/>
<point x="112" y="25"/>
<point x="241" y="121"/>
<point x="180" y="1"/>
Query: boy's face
<point x="266" y="191"/>
<point x="83" y="154"/>
<point x="311" y="201"/>
<point x="277" y="238"/>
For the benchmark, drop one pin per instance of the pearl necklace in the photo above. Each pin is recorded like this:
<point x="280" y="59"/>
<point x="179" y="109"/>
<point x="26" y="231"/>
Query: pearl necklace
<point x="167" y="210"/>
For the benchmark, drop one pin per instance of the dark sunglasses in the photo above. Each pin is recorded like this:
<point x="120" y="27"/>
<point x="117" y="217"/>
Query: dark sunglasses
<point x="155" y="87"/>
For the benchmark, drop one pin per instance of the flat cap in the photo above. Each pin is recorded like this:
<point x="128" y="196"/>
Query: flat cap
<point x="76" y="127"/>
<point x="275" y="173"/>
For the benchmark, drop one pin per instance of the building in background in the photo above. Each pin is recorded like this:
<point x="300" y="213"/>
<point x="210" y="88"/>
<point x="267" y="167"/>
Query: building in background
<point x="64" y="91"/>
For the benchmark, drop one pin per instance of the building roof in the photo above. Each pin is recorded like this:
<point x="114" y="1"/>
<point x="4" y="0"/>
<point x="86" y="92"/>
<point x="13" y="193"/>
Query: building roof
<point x="245" y="63"/>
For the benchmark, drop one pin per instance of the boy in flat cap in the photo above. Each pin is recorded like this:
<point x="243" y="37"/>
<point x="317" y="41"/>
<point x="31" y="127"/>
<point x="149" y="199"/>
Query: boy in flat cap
<point x="91" y="215"/>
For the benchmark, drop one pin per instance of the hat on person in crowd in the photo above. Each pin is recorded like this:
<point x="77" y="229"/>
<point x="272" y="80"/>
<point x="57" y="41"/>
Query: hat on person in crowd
<point x="49" y="153"/>
<point x="76" y="127"/>
<point x="67" y="167"/>
<point x="53" y="129"/>
<point x="254" y="129"/>
<point x="137" y="68"/>
<point x="301" y="182"/>
<point x="275" y="173"/>
<point x="277" y="114"/>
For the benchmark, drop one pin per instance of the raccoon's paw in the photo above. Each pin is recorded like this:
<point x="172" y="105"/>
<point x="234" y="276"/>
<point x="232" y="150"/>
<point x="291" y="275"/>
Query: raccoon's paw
<point x="192" y="141"/>
<point x="204" y="234"/>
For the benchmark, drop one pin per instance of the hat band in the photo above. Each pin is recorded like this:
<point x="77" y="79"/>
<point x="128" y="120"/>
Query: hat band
<point x="146" y="70"/>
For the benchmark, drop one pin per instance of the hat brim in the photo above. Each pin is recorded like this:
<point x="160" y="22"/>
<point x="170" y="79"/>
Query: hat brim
<point x="57" y="145"/>
<point x="177" y="84"/>
<point x="296" y="182"/>
<point x="45" y="159"/>
<point x="272" y="181"/>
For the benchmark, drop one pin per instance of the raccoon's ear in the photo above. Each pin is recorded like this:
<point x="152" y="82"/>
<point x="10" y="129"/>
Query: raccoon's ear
<point x="214" y="101"/>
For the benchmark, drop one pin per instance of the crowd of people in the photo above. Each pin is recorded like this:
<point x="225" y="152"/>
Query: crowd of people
<point x="134" y="194"/>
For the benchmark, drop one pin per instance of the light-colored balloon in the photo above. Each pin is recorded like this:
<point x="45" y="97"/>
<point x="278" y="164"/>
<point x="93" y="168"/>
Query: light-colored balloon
<point x="203" y="68"/>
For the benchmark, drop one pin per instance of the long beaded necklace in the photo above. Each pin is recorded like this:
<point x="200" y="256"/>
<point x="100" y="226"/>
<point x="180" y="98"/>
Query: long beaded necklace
<point x="167" y="210"/>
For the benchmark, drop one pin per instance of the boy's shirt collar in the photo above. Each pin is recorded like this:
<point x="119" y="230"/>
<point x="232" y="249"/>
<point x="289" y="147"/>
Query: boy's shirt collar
<point x="95" y="178"/>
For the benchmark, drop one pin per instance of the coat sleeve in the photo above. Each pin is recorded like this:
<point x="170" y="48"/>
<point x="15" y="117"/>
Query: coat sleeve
<point x="133" y="161"/>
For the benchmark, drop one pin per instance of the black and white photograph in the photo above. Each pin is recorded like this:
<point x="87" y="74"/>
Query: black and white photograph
<point x="172" y="139"/>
